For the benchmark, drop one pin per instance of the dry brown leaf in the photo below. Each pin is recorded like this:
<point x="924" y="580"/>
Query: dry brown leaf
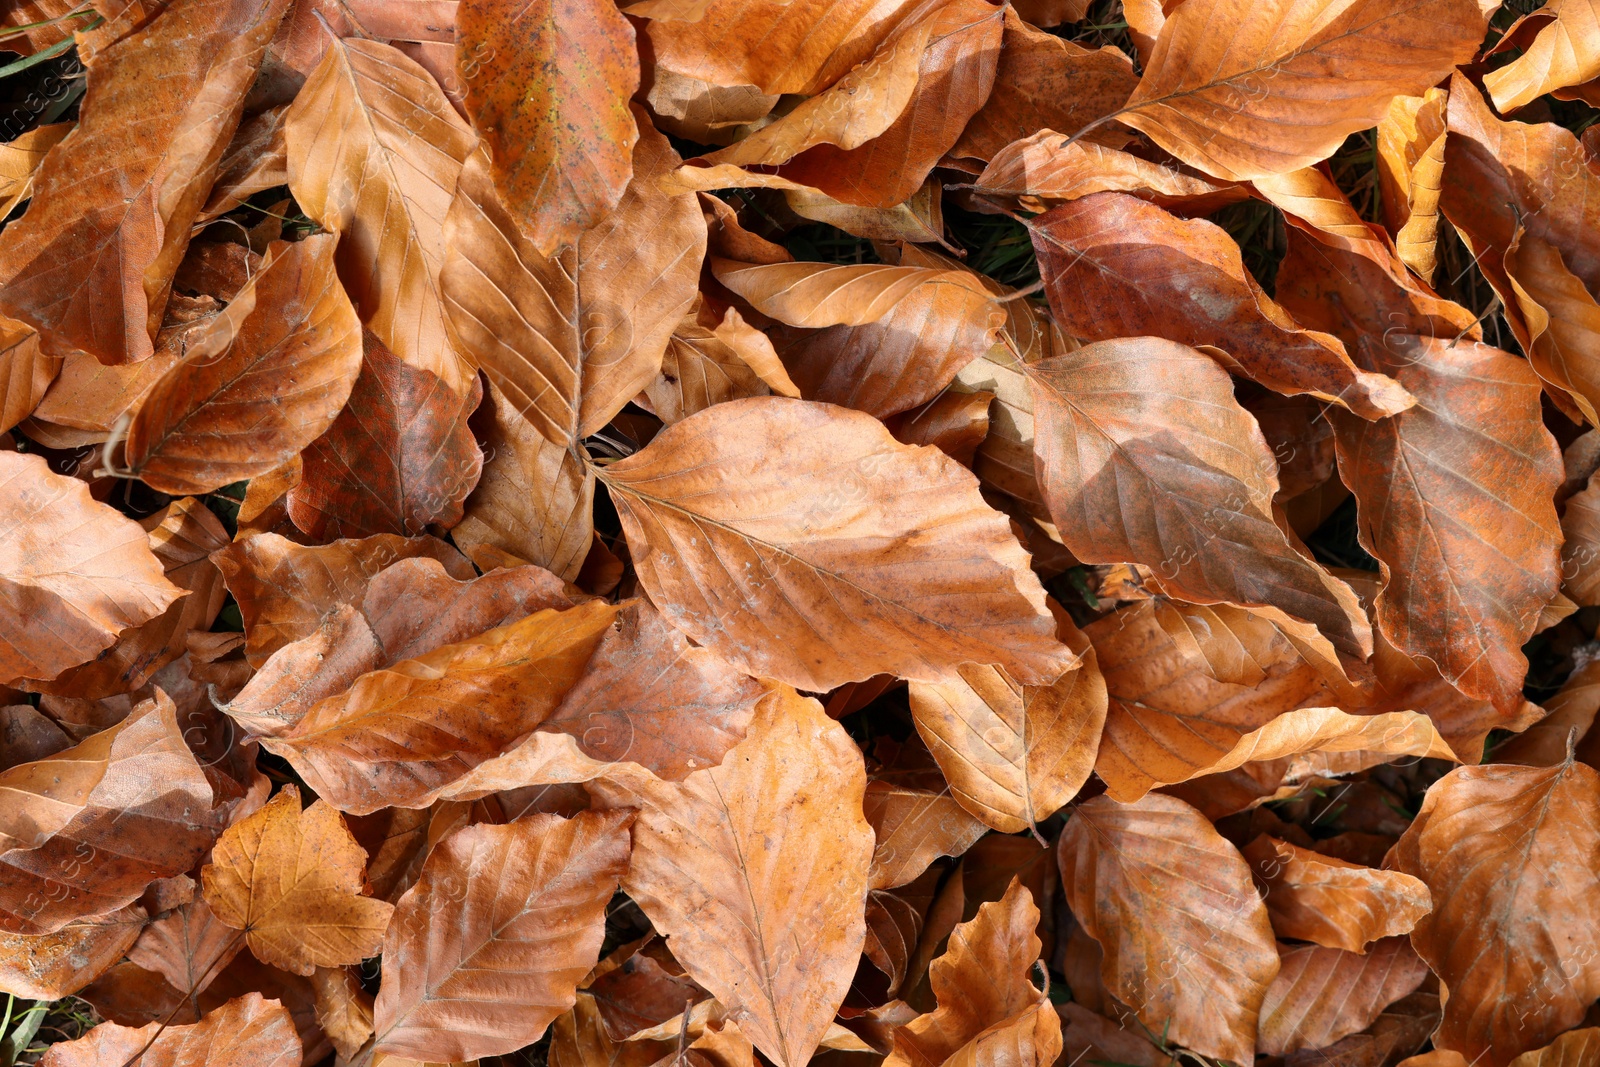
<point x="1322" y="994"/>
<point x="1116" y="266"/>
<point x="569" y="340"/>
<point x="1242" y="89"/>
<point x="983" y="979"/>
<point x="1014" y="754"/>
<point x="52" y="966"/>
<point x="1187" y="942"/>
<point x="756" y="871"/>
<point x="815" y="295"/>
<point x="1049" y="166"/>
<point x="1044" y="82"/>
<point x="776" y="45"/>
<point x="914" y="827"/>
<point x="903" y="359"/>
<point x="401" y="734"/>
<point x="956" y="423"/>
<point x="650" y="697"/>
<point x="250" y="1031"/>
<point x="1561" y="330"/>
<point x="525" y="908"/>
<point x="1410" y="161"/>
<point x="1565" y="52"/>
<point x="398" y="458"/>
<point x="291" y="880"/>
<point x="86" y="831"/>
<point x="25" y="372"/>
<point x="344" y="1009"/>
<point x="718" y="520"/>
<point x="956" y="75"/>
<point x="20" y="160"/>
<point x="1193" y="501"/>
<point x="225" y="413"/>
<point x="1503" y="850"/>
<point x="524" y="64"/>
<point x="1331" y="902"/>
<point x="374" y="153"/>
<point x="852" y="111"/>
<point x="74" y="573"/>
<point x="182" y="536"/>
<point x="189" y="947"/>
<point x="284" y="589"/>
<point x="90" y="264"/>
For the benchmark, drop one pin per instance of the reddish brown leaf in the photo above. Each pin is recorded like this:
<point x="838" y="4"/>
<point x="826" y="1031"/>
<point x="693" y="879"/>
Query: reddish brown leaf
<point x="398" y="459"/>
<point x="90" y="264"/>
<point x="257" y="383"/>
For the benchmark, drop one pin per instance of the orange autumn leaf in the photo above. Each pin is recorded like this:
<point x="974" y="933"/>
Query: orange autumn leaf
<point x="291" y="880"/>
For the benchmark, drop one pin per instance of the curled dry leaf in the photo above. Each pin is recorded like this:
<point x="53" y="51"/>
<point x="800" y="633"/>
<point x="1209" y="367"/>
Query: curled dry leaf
<point x="569" y="340"/>
<point x="189" y="947"/>
<point x="1506" y="852"/>
<point x="1410" y="159"/>
<point x="1043" y="82"/>
<point x="20" y="160"/>
<point x="1193" y="500"/>
<point x="74" y="573"/>
<point x="397" y="459"/>
<point x="956" y="75"/>
<point x="720" y="521"/>
<point x="1242" y="89"/>
<point x="25" y="372"/>
<point x="1331" y="902"/>
<point x="489" y="946"/>
<point x="258" y="383"/>
<point x="907" y="357"/>
<point x="1049" y="166"/>
<point x="981" y="981"/>
<point x="401" y="734"/>
<point x="1014" y="754"/>
<point x="291" y="880"/>
<point x="250" y="1030"/>
<point x="374" y="153"/>
<point x="91" y="262"/>
<point x="1560" y="322"/>
<point x="1565" y="52"/>
<point x="86" y="830"/>
<point x="524" y="64"/>
<point x="1187" y="942"/>
<point x="756" y="871"/>
<point x="1323" y="994"/>
<point x="1116" y="266"/>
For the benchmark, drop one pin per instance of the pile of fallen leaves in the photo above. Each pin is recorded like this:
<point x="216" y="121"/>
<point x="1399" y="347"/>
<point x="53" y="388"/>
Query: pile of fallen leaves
<point x="717" y="532"/>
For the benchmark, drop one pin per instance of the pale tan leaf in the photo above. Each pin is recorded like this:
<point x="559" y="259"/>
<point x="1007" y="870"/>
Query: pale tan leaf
<point x="374" y="153"/>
